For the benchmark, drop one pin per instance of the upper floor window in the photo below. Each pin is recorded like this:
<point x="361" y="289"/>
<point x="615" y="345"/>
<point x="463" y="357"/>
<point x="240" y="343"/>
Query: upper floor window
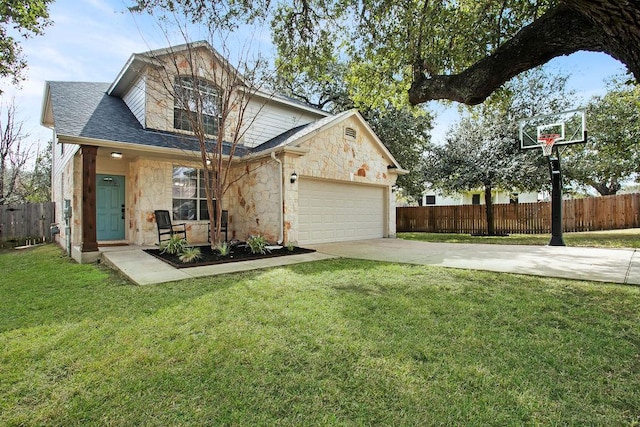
<point x="196" y="99"/>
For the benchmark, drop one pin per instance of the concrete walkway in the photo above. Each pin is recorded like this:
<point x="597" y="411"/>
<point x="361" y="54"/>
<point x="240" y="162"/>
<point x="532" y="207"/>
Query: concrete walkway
<point x="144" y="269"/>
<point x="604" y="265"/>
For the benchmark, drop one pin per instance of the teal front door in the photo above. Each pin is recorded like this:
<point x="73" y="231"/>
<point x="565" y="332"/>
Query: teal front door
<point x="110" y="207"/>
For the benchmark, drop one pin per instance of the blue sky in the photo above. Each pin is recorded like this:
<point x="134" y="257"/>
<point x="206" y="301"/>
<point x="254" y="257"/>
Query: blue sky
<point x="90" y="40"/>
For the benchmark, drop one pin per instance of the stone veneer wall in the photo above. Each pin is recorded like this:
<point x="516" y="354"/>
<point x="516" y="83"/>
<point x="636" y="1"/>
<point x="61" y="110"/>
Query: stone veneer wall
<point x="254" y="200"/>
<point x="334" y="156"/>
<point x="149" y="188"/>
<point x="159" y="83"/>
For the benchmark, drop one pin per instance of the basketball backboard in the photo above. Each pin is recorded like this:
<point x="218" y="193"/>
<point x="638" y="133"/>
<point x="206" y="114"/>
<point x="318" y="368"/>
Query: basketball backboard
<point x="568" y="126"/>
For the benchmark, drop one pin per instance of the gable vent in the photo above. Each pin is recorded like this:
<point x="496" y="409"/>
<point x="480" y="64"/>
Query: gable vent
<point x="350" y="132"/>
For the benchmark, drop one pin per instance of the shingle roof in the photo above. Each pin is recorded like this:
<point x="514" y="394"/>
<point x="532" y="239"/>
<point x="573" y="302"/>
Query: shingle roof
<point x="82" y="109"/>
<point x="292" y="135"/>
<point x="280" y="139"/>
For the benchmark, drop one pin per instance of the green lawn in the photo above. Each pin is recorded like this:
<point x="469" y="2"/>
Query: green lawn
<point x="598" y="239"/>
<point x="337" y="342"/>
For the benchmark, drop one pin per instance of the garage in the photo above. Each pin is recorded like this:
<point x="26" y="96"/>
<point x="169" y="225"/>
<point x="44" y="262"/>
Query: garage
<point x="334" y="212"/>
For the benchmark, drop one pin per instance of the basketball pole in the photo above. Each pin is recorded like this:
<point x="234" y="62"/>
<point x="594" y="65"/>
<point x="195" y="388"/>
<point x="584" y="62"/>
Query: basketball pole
<point x="556" y="199"/>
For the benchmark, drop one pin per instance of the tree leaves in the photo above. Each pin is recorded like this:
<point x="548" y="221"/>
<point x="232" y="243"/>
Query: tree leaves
<point x="27" y="18"/>
<point x="610" y="155"/>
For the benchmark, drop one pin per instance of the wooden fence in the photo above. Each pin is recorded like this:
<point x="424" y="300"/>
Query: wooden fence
<point x="589" y="214"/>
<point x="30" y="221"/>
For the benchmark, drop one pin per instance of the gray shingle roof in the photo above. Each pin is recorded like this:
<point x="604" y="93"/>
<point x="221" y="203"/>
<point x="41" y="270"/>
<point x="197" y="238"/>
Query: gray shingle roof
<point x="85" y="110"/>
<point x="280" y="139"/>
<point x="292" y="135"/>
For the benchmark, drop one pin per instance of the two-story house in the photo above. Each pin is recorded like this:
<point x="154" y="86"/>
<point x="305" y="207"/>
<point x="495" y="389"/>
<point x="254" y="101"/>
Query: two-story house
<point x="124" y="149"/>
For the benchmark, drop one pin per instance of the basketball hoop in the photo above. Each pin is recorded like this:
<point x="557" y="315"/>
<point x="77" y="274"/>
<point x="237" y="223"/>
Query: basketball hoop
<point x="547" y="140"/>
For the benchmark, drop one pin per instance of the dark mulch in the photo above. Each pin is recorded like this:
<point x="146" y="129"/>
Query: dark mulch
<point x="212" y="256"/>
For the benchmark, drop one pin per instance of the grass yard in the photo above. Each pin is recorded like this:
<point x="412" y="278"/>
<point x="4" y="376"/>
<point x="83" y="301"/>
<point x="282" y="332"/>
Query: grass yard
<point x="596" y="239"/>
<point x="337" y="342"/>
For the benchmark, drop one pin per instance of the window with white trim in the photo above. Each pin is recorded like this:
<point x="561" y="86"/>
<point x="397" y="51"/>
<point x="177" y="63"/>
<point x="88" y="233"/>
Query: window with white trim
<point x="189" y="194"/>
<point x="196" y="98"/>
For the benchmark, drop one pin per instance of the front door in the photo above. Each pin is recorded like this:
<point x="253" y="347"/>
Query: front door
<point x="110" y="207"/>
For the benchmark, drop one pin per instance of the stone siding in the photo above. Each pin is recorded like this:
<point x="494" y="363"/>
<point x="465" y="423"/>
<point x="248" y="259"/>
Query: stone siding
<point x="160" y="93"/>
<point x="254" y="201"/>
<point x="334" y="156"/>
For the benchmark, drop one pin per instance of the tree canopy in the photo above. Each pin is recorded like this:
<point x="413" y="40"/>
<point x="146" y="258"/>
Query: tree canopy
<point x="611" y="154"/>
<point x="482" y="150"/>
<point x="404" y="130"/>
<point x="461" y="51"/>
<point x="26" y="18"/>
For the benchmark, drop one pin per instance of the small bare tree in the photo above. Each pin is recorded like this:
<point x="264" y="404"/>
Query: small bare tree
<point x="13" y="154"/>
<point x="213" y="97"/>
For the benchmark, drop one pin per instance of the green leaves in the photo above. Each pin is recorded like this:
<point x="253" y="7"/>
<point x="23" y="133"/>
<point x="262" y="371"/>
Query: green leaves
<point x="610" y="155"/>
<point x="27" y="18"/>
<point x="483" y="149"/>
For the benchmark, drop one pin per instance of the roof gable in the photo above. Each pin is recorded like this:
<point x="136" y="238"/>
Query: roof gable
<point x="137" y="62"/>
<point x="84" y="110"/>
<point x="297" y="136"/>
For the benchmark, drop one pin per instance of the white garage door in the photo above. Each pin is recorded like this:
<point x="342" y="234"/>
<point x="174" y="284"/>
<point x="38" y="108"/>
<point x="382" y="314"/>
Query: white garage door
<point x="336" y="212"/>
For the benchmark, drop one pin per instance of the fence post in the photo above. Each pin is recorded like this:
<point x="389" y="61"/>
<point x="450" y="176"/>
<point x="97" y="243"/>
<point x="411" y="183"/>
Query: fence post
<point x="26" y="221"/>
<point x="588" y="214"/>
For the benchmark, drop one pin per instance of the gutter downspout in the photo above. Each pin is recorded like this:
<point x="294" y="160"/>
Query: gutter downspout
<point x="273" y="156"/>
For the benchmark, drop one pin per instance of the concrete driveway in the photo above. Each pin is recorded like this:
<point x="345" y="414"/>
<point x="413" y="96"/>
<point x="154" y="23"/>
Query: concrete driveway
<point x="604" y="265"/>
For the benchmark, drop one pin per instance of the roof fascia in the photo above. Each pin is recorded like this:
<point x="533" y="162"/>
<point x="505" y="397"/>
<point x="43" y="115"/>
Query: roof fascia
<point x="282" y="100"/>
<point x="116" y="145"/>
<point x="127" y="75"/>
<point x="344" y="116"/>
<point x="296" y="151"/>
<point x="46" y="103"/>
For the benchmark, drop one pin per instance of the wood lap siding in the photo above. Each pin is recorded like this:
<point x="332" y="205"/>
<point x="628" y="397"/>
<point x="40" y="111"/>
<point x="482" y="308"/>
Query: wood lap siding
<point x="135" y="100"/>
<point x="271" y="121"/>
<point x="589" y="214"/>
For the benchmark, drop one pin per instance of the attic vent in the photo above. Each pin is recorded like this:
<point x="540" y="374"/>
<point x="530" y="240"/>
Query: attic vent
<point x="350" y="132"/>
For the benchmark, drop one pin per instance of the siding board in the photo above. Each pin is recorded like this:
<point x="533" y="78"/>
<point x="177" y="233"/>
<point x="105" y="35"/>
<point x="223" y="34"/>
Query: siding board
<point x="266" y="121"/>
<point x="135" y="100"/>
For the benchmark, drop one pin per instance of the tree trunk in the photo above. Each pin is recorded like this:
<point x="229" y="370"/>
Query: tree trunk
<point x="488" y="202"/>
<point x="606" y="189"/>
<point x="2" y="172"/>
<point x="608" y="26"/>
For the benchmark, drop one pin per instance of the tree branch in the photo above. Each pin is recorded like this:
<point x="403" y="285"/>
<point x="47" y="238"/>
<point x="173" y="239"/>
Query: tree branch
<point x="560" y="31"/>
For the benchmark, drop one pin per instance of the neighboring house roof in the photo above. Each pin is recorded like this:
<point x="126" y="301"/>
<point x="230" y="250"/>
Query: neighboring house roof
<point x="84" y="110"/>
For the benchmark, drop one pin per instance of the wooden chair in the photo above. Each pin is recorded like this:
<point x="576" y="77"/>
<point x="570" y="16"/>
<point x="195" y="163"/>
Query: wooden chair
<point x="166" y="229"/>
<point x="223" y="226"/>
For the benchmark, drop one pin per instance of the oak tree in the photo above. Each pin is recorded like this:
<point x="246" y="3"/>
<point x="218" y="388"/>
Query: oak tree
<point x="19" y="19"/>
<point x="611" y="154"/>
<point x="460" y="51"/>
<point x="483" y="149"/>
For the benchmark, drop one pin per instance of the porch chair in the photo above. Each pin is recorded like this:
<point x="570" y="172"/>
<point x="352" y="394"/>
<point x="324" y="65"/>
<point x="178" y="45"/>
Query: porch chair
<point x="166" y="229"/>
<point x="223" y="226"/>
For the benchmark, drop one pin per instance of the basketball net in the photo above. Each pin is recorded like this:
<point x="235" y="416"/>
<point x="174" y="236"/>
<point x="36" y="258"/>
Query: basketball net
<point x="547" y="141"/>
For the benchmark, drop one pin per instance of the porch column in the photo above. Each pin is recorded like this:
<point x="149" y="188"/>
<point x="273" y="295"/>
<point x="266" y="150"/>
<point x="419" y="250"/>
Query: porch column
<point x="89" y="240"/>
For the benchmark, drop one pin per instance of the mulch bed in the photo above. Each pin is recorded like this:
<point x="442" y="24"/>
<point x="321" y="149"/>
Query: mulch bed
<point x="213" y="257"/>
